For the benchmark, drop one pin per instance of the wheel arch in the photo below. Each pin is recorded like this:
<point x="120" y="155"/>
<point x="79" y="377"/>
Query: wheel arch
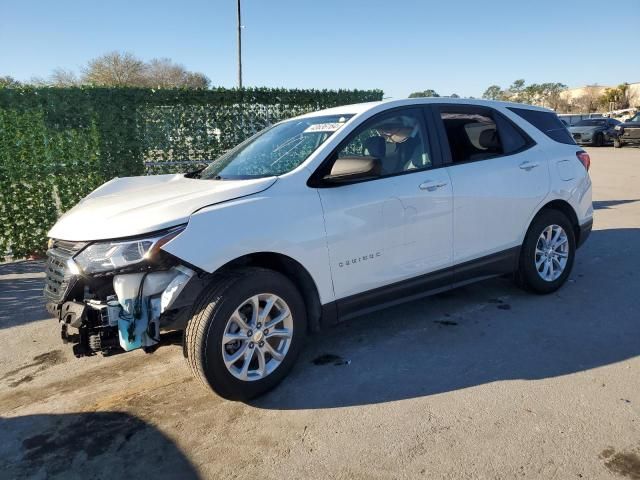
<point x="294" y="271"/>
<point x="566" y="208"/>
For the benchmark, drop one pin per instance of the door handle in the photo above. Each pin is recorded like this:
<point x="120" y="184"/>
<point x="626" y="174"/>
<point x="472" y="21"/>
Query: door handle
<point x="528" y="165"/>
<point x="431" y="185"/>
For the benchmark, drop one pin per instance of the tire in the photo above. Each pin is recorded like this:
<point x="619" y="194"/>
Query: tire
<point x="617" y="143"/>
<point x="528" y="275"/>
<point x="598" y="140"/>
<point x="211" y="320"/>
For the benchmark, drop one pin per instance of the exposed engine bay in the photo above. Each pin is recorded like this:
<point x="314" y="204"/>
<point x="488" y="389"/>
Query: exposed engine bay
<point x="128" y="319"/>
<point x="117" y="312"/>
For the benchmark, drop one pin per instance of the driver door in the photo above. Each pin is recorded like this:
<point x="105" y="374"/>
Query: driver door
<point x="386" y="231"/>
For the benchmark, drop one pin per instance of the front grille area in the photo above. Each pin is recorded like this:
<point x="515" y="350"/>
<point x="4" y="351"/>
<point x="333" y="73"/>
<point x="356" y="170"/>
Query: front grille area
<point x="58" y="278"/>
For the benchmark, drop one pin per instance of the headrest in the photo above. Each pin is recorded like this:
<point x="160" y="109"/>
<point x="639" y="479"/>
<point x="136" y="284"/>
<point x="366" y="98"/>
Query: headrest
<point x="376" y="146"/>
<point x="397" y="132"/>
<point x="489" y="139"/>
<point x="408" y="147"/>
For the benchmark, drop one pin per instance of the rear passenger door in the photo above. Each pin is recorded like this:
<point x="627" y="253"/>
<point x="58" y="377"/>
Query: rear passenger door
<point x="499" y="177"/>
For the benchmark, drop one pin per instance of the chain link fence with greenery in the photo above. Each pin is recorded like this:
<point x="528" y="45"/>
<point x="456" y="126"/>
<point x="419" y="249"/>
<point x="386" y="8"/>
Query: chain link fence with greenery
<point x="58" y="144"/>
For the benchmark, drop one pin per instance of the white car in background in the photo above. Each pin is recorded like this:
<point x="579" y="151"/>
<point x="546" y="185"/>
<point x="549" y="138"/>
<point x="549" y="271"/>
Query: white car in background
<point x="313" y="221"/>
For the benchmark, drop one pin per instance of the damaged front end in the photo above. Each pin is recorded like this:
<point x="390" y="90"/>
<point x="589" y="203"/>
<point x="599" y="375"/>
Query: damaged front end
<point x="117" y="295"/>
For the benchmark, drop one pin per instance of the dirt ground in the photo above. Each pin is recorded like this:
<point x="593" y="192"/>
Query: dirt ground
<point x="483" y="382"/>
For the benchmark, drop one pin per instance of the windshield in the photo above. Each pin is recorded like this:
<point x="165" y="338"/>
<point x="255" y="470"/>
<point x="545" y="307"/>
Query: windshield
<point x="635" y="119"/>
<point x="590" y="123"/>
<point x="275" y="150"/>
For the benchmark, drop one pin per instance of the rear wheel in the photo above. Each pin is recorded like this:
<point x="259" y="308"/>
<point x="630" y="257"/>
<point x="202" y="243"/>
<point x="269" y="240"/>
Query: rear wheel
<point x="245" y="333"/>
<point x="547" y="253"/>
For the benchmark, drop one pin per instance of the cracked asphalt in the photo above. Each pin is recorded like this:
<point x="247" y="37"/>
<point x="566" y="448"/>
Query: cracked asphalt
<point x="483" y="382"/>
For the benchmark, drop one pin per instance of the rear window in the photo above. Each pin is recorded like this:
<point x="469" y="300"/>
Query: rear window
<point x="547" y="122"/>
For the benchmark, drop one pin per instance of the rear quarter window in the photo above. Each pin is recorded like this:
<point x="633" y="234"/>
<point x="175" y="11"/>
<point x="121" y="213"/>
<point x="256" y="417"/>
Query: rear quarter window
<point x="547" y="122"/>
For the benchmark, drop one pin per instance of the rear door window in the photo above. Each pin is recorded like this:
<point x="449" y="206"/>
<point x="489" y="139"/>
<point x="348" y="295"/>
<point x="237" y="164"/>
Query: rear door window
<point x="479" y="133"/>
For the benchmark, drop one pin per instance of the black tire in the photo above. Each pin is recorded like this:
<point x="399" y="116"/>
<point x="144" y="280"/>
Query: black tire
<point x="617" y="143"/>
<point x="527" y="275"/>
<point x="212" y="310"/>
<point x="598" y="140"/>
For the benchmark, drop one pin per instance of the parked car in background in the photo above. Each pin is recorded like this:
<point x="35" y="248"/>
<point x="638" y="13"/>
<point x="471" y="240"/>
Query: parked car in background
<point x="573" y="118"/>
<point x="594" y="131"/>
<point x="315" y="220"/>
<point x="627" y="132"/>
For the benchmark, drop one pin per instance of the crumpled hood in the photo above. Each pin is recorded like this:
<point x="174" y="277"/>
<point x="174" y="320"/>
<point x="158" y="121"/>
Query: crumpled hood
<point x="585" y="129"/>
<point x="124" y="207"/>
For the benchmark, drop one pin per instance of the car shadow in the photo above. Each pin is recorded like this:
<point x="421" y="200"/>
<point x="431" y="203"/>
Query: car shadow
<point x="487" y="332"/>
<point x="21" y="293"/>
<point x="607" y="204"/>
<point x="22" y="301"/>
<point x="88" y="445"/>
<point x="22" y="266"/>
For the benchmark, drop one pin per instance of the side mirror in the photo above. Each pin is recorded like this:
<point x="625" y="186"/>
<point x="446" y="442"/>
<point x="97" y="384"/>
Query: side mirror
<point x="350" y="169"/>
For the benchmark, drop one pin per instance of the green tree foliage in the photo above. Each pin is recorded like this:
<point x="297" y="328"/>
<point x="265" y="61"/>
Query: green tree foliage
<point x="544" y="94"/>
<point x="425" y="93"/>
<point x="494" y="92"/>
<point x="58" y="144"/>
<point x="517" y="86"/>
<point x="550" y="95"/>
<point x="617" y="97"/>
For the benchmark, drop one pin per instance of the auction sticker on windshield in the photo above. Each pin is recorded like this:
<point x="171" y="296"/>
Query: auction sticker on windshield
<point x="323" y="127"/>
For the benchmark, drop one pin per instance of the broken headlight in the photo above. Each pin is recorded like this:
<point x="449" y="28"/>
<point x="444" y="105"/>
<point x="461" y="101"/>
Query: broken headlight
<point x="116" y="254"/>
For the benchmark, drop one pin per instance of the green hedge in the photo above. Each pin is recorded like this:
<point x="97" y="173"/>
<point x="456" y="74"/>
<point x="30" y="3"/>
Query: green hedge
<point x="58" y="144"/>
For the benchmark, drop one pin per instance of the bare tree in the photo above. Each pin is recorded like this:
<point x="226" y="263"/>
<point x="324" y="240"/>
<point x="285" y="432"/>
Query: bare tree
<point x="163" y="73"/>
<point x="196" y="80"/>
<point x="588" y="101"/>
<point x="115" y="69"/>
<point x="9" y="81"/>
<point x="63" y="78"/>
<point x="123" y="69"/>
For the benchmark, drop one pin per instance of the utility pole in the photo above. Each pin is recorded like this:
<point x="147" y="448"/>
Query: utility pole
<point x="239" y="48"/>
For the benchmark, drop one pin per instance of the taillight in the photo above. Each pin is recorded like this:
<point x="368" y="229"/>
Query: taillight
<point x="584" y="159"/>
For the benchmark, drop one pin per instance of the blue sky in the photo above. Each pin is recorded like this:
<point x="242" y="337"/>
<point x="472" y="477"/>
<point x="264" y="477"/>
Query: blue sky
<point x="400" y="46"/>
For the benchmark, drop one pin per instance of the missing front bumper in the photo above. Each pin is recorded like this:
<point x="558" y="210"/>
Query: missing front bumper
<point x="128" y="319"/>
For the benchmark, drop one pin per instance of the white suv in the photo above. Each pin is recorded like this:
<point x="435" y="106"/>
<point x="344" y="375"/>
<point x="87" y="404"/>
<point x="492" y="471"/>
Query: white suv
<point x="315" y="220"/>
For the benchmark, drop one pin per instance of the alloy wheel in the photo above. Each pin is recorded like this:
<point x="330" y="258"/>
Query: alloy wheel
<point x="552" y="253"/>
<point x="257" y="337"/>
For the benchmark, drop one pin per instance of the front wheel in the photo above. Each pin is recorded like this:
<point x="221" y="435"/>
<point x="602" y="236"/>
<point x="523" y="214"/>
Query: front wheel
<point x="598" y="140"/>
<point x="617" y="143"/>
<point x="547" y="254"/>
<point x="246" y="331"/>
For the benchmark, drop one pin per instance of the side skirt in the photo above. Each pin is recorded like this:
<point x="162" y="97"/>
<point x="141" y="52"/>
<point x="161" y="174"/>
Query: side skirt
<point x="422" y="286"/>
